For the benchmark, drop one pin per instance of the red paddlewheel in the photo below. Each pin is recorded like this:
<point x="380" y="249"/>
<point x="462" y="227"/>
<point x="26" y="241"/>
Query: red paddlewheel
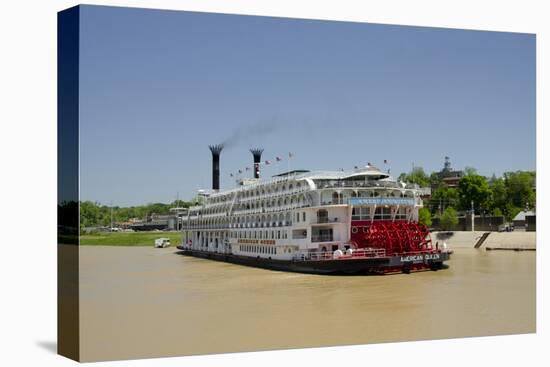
<point x="396" y="237"/>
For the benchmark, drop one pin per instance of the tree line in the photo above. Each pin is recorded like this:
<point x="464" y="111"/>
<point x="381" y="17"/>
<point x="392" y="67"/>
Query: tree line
<point x="94" y="214"/>
<point x="498" y="196"/>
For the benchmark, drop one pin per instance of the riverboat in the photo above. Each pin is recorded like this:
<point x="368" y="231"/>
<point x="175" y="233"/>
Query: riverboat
<point x="358" y="221"/>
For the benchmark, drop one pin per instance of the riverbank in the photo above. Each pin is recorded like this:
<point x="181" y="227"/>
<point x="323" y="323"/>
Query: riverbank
<point x="520" y="240"/>
<point x="459" y="239"/>
<point x="129" y="238"/>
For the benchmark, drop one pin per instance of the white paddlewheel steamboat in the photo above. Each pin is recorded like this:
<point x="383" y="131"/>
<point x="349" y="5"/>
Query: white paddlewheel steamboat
<point x="357" y="221"/>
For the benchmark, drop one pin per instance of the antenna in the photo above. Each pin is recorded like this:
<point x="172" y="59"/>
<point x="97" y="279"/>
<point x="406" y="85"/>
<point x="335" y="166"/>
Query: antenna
<point x="111" y="215"/>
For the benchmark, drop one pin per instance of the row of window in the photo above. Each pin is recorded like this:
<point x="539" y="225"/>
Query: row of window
<point x="268" y="235"/>
<point x="270" y="219"/>
<point x="364" y="213"/>
<point x="262" y="190"/>
<point x="270" y="250"/>
<point x="269" y="189"/>
<point x="258" y="249"/>
<point x="295" y="200"/>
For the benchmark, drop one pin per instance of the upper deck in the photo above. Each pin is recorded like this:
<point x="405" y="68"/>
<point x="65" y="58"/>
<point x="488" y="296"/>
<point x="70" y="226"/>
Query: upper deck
<point x="303" y="189"/>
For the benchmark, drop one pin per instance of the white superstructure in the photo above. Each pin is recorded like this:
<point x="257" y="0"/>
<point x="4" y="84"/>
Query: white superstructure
<point x="297" y="214"/>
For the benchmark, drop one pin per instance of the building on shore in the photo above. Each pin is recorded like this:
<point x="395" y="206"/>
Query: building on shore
<point x="167" y="222"/>
<point x="448" y="176"/>
<point x="521" y="219"/>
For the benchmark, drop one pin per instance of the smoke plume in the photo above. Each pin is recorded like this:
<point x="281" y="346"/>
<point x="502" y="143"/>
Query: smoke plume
<point x="245" y="134"/>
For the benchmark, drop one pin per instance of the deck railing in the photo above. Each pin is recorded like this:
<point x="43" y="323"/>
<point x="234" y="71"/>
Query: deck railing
<point x="322" y="238"/>
<point x="366" y="253"/>
<point x="365" y="184"/>
<point x="322" y="220"/>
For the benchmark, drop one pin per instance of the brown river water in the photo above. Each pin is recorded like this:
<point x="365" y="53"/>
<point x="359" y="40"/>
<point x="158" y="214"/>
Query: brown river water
<point x="139" y="302"/>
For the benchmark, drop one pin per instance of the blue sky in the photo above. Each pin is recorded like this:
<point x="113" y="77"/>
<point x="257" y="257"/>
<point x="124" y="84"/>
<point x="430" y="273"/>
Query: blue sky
<point x="158" y="86"/>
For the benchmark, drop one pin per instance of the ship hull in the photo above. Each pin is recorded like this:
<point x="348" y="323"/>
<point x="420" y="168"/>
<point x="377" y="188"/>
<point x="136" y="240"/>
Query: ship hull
<point x="380" y="265"/>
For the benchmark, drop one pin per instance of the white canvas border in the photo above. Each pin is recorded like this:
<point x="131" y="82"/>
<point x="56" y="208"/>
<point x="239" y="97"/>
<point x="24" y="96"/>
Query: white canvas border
<point x="28" y="150"/>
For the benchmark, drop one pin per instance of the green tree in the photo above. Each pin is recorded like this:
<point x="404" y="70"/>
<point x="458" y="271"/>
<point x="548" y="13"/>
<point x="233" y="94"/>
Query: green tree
<point x="417" y="176"/>
<point x="425" y="217"/>
<point x="181" y="204"/>
<point x="497" y="212"/>
<point x="448" y="219"/>
<point x="519" y="188"/>
<point x="434" y="179"/>
<point x="157" y="208"/>
<point x="470" y="171"/>
<point x="89" y="214"/>
<point x="473" y="188"/>
<point x="94" y="214"/>
<point x="510" y="211"/>
<point x="499" y="197"/>
<point x="444" y="197"/>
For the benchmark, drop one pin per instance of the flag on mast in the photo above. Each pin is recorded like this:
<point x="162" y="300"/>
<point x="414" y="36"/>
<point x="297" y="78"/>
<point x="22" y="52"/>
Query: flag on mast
<point x="290" y="155"/>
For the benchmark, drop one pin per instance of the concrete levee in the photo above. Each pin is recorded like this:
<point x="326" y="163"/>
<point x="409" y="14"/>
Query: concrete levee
<point x="512" y="240"/>
<point x="457" y="239"/>
<point x="496" y="240"/>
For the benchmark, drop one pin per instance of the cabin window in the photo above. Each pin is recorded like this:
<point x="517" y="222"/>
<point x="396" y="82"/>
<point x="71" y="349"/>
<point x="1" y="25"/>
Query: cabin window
<point x="321" y="234"/>
<point x="299" y="234"/>
<point x="322" y="216"/>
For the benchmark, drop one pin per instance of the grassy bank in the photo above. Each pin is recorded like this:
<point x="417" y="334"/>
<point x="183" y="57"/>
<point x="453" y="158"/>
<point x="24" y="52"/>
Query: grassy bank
<point x="128" y="238"/>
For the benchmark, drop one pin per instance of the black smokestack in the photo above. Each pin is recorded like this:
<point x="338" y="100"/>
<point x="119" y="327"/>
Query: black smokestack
<point x="257" y="153"/>
<point x="216" y="150"/>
